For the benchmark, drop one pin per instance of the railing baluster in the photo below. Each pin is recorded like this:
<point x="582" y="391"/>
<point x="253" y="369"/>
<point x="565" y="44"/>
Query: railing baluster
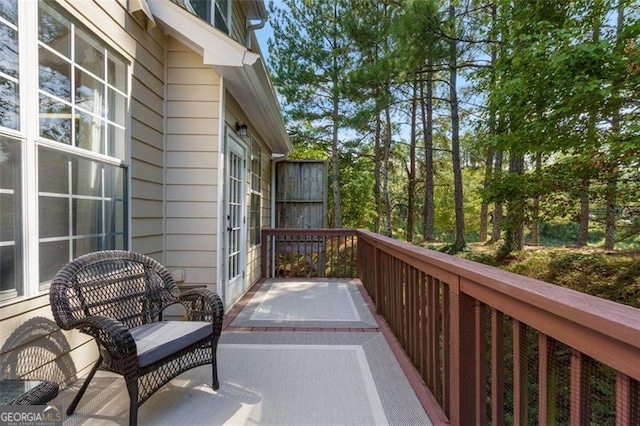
<point x="543" y="378"/>
<point x="444" y="375"/>
<point x="579" y="389"/>
<point x="481" y="363"/>
<point x="519" y="373"/>
<point x="497" y="368"/>
<point x="434" y="333"/>
<point x="627" y="401"/>
<point x="423" y="347"/>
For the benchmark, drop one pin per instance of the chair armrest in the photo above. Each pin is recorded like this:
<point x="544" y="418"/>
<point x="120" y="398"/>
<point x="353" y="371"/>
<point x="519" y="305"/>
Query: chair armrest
<point x="203" y="305"/>
<point x="115" y="342"/>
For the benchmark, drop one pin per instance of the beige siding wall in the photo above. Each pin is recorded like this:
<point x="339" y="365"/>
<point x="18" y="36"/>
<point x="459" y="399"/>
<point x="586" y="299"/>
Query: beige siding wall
<point x="193" y="110"/>
<point x="31" y="344"/>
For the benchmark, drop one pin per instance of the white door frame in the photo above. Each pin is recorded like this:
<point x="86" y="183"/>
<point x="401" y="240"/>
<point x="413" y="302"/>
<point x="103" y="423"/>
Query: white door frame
<point x="234" y="222"/>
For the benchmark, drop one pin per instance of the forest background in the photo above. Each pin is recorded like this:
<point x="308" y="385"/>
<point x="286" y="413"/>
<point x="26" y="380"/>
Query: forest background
<point x="476" y="127"/>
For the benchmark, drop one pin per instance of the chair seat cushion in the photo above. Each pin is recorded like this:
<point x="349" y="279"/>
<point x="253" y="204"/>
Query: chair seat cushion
<point x="158" y="340"/>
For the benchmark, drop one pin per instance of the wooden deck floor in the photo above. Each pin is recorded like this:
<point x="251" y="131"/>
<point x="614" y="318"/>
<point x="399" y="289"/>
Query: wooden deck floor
<point x="303" y="352"/>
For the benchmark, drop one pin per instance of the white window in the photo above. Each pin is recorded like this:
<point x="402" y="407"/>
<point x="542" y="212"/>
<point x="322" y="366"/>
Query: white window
<point x="63" y="145"/>
<point x="216" y="12"/>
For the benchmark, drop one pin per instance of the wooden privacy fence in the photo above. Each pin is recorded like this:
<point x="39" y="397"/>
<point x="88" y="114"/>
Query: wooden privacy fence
<point x="493" y="347"/>
<point x="498" y="348"/>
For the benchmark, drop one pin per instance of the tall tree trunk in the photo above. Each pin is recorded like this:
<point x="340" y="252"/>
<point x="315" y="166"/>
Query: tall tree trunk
<point x="496" y="232"/>
<point x="459" y="243"/>
<point x="335" y="153"/>
<point x="335" y="157"/>
<point x="514" y="223"/>
<point x="583" y="227"/>
<point x="411" y="170"/>
<point x="377" y="172"/>
<point x="488" y="168"/>
<point x="592" y="139"/>
<point x="535" y="214"/>
<point x="612" y="175"/>
<point x="484" y="206"/>
<point x="428" y="211"/>
<point x="385" y="168"/>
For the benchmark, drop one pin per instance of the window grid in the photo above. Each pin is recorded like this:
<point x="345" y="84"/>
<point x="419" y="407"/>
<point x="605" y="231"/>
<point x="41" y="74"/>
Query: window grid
<point x="82" y="88"/>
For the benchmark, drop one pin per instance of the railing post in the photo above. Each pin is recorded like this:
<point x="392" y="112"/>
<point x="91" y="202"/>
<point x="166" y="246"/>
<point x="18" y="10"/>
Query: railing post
<point x="376" y="277"/>
<point x="462" y="358"/>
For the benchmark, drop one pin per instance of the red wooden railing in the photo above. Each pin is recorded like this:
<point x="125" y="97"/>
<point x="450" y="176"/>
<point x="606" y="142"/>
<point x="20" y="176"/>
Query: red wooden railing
<point x="309" y="253"/>
<point x="498" y="348"/>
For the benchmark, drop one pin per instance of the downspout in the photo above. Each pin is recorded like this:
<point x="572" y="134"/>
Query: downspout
<point x="250" y="29"/>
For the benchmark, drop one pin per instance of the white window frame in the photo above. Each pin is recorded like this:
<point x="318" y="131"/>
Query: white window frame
<point x="31" y="142"/>
<point x="257" y="240"/>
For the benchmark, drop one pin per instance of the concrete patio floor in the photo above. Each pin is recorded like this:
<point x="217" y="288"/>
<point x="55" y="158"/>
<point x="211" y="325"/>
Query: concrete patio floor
<point x="293" y="352"/>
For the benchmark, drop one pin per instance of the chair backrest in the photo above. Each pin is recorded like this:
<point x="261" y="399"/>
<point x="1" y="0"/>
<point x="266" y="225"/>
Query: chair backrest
<point x="123" y="285"/>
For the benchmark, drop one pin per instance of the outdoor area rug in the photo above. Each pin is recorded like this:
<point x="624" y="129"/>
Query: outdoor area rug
<point x="307" y="303"/>
<point x="274" y="378"/>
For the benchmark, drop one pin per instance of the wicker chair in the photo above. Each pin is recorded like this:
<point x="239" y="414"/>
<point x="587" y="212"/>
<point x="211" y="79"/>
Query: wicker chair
<point x="118" y="297"/>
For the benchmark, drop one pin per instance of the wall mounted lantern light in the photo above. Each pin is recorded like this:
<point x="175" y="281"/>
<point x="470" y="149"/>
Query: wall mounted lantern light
<point x="242" y="130"/>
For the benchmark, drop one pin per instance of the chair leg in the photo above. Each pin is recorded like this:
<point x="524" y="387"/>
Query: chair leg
<point x="83" y="388"/>
<point x="214" y="365"/>
<point x="132" y="387"/>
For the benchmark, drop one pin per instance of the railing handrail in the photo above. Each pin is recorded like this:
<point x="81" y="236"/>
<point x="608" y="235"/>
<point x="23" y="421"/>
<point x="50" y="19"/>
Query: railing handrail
<point x="567" y="315"/>
<point x="305" y="231"/>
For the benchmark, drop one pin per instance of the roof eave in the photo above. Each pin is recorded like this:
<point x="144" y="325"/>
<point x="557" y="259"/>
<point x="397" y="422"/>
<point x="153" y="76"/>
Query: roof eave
<point x="245" y="72"/>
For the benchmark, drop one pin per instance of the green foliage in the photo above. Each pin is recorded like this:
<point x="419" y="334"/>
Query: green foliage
<point x="612" y="277"/>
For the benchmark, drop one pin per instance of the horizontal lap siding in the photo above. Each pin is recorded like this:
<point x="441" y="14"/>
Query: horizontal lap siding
<point x="193" y="105"/>
<point x="31" y="344"/>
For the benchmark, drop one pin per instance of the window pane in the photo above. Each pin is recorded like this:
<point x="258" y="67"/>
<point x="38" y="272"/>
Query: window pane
<point x="89" y="54"/>
<point x="9" y="107"/>
<point x="202" y="8"/>
<point x="86" y="177"/>
<point x="55" y="120"/>
<point x="89" y="132"/>
<point x="54" y="30"/>
<point x="9" y="218"/>
<point x="9" y="10"/>
<point x="87" y="245"/>
<point x="53" y="172"/>
<point x="53" y="256"/>
<point x="220" y="22"/>
<point x="117" y="142"/>
<point x="89" y="93"/>
<point x="9" y="190"/>
<point x="55" y="74"/>
<point x="87" y="217"/>
<point x="117" y="108"/>
<point x="9" y="272"/>
<point x="117" y="72"/>
<point x="9" y="164"/>
<point x="222" y="18"/>
<point x="54" y="217"/>
<point x="9" y="51"/>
